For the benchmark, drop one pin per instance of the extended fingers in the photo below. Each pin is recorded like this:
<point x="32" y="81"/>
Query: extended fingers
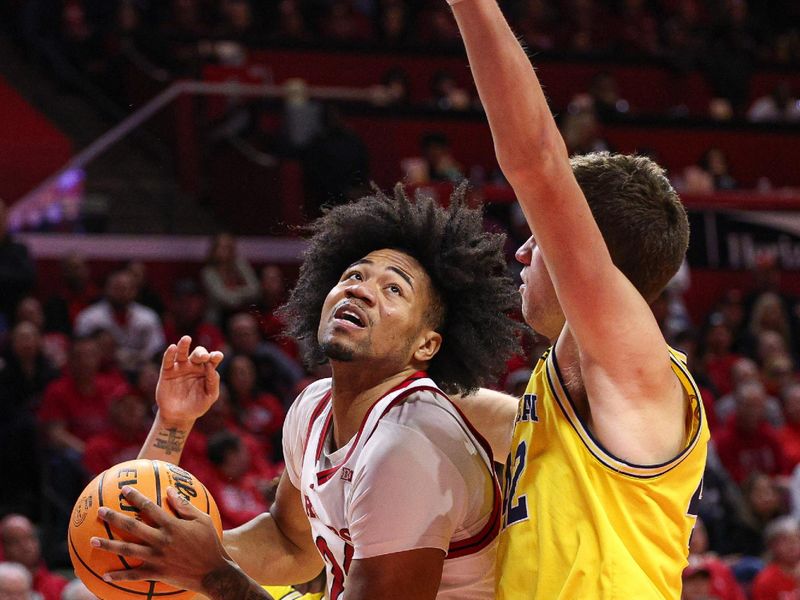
<point x="183" y="349"/>
<point x="123" y="548"/>
<point x="128" y="524"/>
<point x="168" y="360"/>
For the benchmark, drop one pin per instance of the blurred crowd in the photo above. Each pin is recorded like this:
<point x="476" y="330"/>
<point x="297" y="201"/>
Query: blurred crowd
<point x="724" y="39"/>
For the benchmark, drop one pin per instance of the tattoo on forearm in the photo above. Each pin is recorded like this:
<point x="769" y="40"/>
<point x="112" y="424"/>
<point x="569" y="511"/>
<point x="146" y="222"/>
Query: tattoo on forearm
<point x="170" y="440"/>
<point x="232" y="584"/>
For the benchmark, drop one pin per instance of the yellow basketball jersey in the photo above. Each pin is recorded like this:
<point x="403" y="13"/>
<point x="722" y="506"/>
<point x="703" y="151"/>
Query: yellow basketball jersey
<point x="581" y="524"/>
<point x="283" y="592"/>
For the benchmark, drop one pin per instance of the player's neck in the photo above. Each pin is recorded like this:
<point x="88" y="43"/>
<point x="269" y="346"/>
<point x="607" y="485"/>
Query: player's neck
<point x="354" y="389"/>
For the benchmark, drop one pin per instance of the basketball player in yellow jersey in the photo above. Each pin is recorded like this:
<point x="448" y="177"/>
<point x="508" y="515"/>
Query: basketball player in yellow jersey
<point x="610" y="438"/>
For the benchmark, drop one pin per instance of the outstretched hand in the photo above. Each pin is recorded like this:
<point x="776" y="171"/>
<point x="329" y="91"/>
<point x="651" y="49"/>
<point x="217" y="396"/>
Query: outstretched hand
<point x="167" y="545"/>
<point x="188" y="383"/>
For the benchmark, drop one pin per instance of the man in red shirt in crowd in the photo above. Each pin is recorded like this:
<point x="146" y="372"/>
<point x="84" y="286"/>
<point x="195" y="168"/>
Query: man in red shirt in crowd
<point x="779" y="579"/>
<point x="188" y="317"/>
<point x="722" y="583"/>
<point x="75" y="406"/>
<point x="789" y="434"/>
<point x="21" y="545"/>
<point x="748" y="443"/>
<point x="241" y="494"/>
<point x="121" y="441"/>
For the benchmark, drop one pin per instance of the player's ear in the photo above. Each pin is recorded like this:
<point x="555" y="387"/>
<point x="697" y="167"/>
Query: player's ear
<point x="428" y="345"/>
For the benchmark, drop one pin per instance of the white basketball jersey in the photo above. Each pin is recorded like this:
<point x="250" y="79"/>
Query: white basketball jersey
<point x="416" y="475"/>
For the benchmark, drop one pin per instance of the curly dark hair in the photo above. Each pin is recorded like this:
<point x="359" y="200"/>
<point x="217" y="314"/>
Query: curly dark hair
<point x="466" y="266"/>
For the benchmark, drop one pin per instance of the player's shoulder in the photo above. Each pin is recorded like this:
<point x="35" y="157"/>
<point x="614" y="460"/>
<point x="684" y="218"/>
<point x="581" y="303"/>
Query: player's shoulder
<point x="312" y="394"/>
<point x="423" y="413"/>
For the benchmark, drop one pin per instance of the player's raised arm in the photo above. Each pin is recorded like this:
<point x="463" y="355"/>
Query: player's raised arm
<point x="601" y="306"/>
<point x="187" y="387"/>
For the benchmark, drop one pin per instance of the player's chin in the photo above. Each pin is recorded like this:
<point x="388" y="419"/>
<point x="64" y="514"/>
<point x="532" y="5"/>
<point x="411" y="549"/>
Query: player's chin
<point x="338" y="351"/>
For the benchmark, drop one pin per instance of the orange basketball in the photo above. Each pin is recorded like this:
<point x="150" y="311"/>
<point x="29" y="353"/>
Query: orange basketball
<point x="151" y="478"/>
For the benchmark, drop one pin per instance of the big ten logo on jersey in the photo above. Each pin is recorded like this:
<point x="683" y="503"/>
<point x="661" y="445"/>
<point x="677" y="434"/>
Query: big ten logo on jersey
<point x="526" y="413"/>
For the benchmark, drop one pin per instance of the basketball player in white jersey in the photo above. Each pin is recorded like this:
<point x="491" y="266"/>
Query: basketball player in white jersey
<point x="385" y="480"/>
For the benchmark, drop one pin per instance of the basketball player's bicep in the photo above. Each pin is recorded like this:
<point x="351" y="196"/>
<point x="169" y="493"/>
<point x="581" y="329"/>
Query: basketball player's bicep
<point x="398" y="576"/>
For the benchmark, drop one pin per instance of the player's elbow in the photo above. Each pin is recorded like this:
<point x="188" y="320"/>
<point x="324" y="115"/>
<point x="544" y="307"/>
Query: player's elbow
<point x="535" y="160"/>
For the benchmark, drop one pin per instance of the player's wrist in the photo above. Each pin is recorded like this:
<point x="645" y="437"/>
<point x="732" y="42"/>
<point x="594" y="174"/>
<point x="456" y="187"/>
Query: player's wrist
<point x="167" y="421"/>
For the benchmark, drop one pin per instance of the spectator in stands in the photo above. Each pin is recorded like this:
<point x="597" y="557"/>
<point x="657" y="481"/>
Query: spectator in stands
<point x="748" y="443"/>
<point x="436" y="27"/>
<point x="229" y="280"/>
<point x="122" y="438"/>
<point x="77" y="590"/>
<point x="767" y="278"/>
<point x="723" y="584"/>
<point x="589" y="31"/>
<point x="729" y="55"/>
<point x="17" y="271"/>
<point x="290" y="22"/>
<point x="336" y="162"/>
<point x="581" y="130"/>
<point x="145" y="294"/>
<point x="147" y="381"/>
<point x="446" y="94"/>
<point x="76" y="291"/>
<point x="715" y="163"/>
<point x="237" y="22"/>
<point x="789" y="434"/>
<point x="344" y="23"/>
<point x="260" y="414"/>
<point x="438" y="156"/>
<point x="745" y="371"/>
<point x="15" y="582"/>
<point x="136" y="328"/>
<point x="55" y="344"/>
<point x="769" y="314"/>
<point x="395" y="26"/>
<point x="24" y="374"/>
<point x="731" y="308"/>
<point x="697" y="583"/>
<point x="75" y="406"/>
<point x="638" y="33"/>
<point x="605" y="97"/>
<point x="21" y="545"/>
<point x="764" y="502"/>
<point x="769" y="346"/>
<point x="394" y="89"/>
<point x="537" y="23"/>
<point x="779" y="579"/>
<point x="239" y="497"/>
<point x="277" y="373"/>
<point x="718" y="356"/>
<point x="188" y="317"/>
<point x="779" y="106"/>
<point x="273" y="295"/>
<point x="778" y="372"/>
